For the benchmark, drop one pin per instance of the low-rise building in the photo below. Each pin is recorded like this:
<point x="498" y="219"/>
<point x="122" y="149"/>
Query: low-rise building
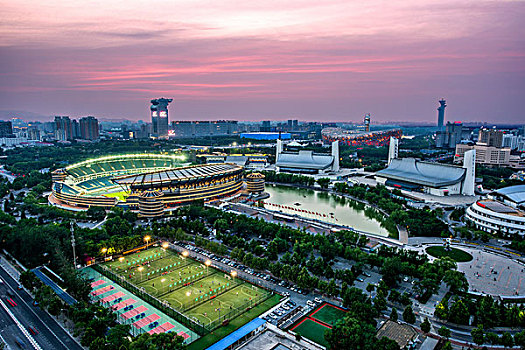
<point x="486" y="155"/>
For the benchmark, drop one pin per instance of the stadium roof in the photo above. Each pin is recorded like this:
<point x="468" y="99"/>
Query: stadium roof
<point x="178" y="175"/>
<point x="232" y="338"/>
<point x="514" y="193"/>
<point x="428" y="174"/>
<point x="304" y="160"/>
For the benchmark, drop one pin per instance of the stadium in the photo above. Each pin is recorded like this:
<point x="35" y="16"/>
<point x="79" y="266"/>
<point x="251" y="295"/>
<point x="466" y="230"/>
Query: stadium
<point x="149" y="184"/>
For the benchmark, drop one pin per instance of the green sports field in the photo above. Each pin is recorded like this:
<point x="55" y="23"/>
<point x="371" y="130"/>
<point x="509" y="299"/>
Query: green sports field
<point x="312" y="330"/>
<point x="328" y="314"/>
<point x="206" y="295"/>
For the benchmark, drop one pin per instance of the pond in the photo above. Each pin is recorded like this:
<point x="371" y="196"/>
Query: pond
<point x="322" y="206"/>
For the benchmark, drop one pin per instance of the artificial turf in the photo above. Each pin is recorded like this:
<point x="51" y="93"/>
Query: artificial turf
<point x="312" y="330"/>
<point x="234" y="324"/>
<point x="204" y="294"/>
<point x="328" y="314"/>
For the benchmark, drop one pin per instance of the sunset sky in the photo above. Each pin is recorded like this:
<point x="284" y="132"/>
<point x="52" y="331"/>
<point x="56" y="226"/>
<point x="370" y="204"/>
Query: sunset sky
<point x="253" y="60"/>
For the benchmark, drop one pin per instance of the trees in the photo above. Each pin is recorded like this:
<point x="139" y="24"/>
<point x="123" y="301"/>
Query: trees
<point x="393" y="314"/>
<point x="459" y="313"/>
<point x="478" y="335"/>
<point x="444" y="332"/>
<point x="456" y="281"/>
<point x="425" y="325"/>
<point x="370" y="288"/>
<point x="408" y="315"/>
<point x="350" y="333"/>
<point x="391" y="271"/>
<point x="323" y="182"/>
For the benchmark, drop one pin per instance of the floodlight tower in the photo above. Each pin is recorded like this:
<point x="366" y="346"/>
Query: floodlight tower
<point x="72" y="228"/>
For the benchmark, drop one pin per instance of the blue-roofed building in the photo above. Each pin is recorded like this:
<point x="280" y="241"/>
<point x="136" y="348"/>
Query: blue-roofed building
<point x="266" y="135"/>
<point x="240" y="335"/>
<point x="62" y="294"/>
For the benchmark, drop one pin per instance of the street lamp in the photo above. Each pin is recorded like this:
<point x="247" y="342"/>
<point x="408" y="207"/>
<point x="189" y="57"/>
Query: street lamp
<point x="141" y="268"/>
<point x="234" y="274"/>
<point x="121" y="259"/>
<point x="147" y="238"/>
<point x="207" y="263"/>
<point x="185" y="254"/>
<point x="104" y="251"/>
<point x="165" y="246"/>
<point x="162" y="282"/>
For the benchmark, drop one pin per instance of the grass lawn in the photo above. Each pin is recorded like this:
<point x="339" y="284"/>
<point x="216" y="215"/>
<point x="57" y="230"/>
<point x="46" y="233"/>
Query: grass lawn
<point x="313" y="331"/>
<point x="455" y="254"/>
<point x="328" y="314"/>
<point x="234" y="324"/>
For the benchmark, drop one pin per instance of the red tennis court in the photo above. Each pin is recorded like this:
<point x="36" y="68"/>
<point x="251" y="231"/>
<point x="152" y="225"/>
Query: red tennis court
<point x="102" y="290"/>
<point x="97" y="283"/>
<point x="146" y="321"/>
<point x="124" y="303"/>
<point x="112" y="297"/>
<point x="183" y="334"/>
<point x="163" y="328"/>
<point x="134" y="312"/>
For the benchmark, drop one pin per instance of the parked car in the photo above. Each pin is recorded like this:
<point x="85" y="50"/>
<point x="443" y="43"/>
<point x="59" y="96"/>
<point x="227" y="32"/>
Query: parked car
<point x="317" y="300"/>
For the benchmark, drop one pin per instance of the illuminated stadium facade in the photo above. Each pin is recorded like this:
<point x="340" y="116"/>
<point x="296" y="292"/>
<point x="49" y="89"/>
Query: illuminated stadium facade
<point x="148" y="184"/>
<point x="360" y="138"/>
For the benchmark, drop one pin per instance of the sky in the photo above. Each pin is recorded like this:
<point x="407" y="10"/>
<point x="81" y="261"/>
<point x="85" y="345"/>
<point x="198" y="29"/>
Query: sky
<point x="265" y="60"/>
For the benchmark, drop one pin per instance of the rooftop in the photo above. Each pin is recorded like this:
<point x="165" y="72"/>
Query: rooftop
<point x="429" y="174"/>
<point x="178" y="174"/>
<point x="232" y="338"/>
<point x="402" y="334"/>
<point x="514" y="193"/>
<point x="304" y="159"/>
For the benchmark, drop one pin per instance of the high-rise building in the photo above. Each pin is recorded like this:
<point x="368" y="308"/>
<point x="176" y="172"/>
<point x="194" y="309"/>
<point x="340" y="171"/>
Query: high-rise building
<point x="451" y="136"/>
<point x="75" y="128"/>
<point x="366" y="121"/>
<point x="441" y="113"/>
<point x="89" y="128"/>
<point x="490" y="137"/>
<point x="159" y="117"/>
<point x="266" y="125"/>
<point x="63" y="128"/>
<point x="6" y="129"/>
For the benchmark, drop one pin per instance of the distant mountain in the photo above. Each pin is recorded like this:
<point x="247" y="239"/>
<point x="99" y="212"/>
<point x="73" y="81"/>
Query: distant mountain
<point x="27" y="116"/>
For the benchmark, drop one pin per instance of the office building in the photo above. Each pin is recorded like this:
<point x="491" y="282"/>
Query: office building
<point x="159" y="117"/>
<point x="486" y="155"/>
<point x="89" y="129"/>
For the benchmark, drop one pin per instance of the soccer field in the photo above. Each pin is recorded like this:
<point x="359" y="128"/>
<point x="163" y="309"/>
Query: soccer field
<point x="203" y="294"/>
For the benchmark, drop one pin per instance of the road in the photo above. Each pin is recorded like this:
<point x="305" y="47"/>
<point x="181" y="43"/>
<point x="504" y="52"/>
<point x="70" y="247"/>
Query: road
<point x="50" y="334"/>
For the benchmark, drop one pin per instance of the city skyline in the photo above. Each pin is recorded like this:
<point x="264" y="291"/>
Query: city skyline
<point x="302" y="60"/>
